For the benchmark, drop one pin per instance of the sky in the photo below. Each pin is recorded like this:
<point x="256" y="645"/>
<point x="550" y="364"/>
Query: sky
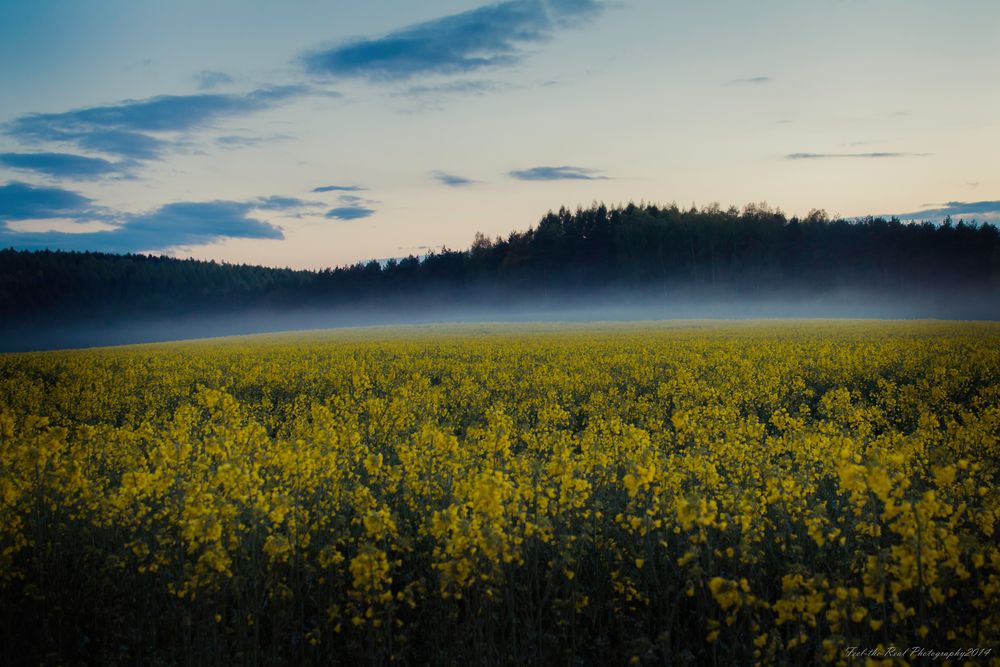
<point x="313" y="134"/>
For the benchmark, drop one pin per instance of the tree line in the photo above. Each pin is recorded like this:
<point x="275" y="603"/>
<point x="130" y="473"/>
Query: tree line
<point x="657" y="251"/>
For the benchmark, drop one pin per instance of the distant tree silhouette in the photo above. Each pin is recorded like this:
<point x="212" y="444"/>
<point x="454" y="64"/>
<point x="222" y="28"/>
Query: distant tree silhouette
<point x="659" y="251"/>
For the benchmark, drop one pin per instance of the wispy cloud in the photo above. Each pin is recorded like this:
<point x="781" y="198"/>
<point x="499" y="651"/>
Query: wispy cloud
<point x="130" y="128"/>
<point x="420" y="247"/>
<point x="350" y="212"/>
<point x="488" y="36"/>
<point x="474" y="88"/>
<point x="279" y="203"/>
<point x="451" y="179"/>
<point x="65" y="165"/>
<point x="190" y="223"/>
<point x="23" y="201"/>
<point x="874" y="155"/>
<point x="171" y="225"/>
<point x="209" y="79"/>
<point x="752" y="80"/>
<point x="236" y="141"/>
<point x="132" y="145"/>
<point x="175" y="224"/>
<point x="339" y="188"/>
<point x="981" y="210"/>
<point x="564" y="173"/>
<point x="352" y="207"/>
<point x="352" y="200"/>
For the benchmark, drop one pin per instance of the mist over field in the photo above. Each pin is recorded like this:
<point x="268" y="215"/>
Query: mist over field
<point x="429" y="309"/>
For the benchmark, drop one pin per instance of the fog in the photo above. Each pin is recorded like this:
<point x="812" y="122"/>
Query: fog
<point x="433" y="308"/>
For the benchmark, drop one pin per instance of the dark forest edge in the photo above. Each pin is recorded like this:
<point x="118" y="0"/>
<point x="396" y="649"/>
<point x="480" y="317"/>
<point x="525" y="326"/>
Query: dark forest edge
<point x="626" y="262"/>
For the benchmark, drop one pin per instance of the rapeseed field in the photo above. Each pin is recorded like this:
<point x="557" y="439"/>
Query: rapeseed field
<point x="686" y="493"/>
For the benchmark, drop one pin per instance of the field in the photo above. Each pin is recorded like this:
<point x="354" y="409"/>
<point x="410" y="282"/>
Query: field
<point x="705" y="493"/>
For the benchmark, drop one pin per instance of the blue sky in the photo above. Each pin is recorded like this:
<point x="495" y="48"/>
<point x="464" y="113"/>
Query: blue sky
<point x="312" y="134"/>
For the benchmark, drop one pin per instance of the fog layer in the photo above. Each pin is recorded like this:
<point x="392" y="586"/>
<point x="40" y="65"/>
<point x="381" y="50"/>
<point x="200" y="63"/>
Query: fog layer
<point x="620" y="305"/>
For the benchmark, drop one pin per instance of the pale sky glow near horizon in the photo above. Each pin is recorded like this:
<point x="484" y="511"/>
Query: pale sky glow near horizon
<point x="313" y="134"/>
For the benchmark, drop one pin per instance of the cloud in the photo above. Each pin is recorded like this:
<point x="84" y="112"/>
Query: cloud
<point x="127" y="128"/>
<point x="564" y="173"/>
<point x="175" y="224"/>
<point x="451" y="179"/>
<point x="339" y="188"/>
<point x="351" y="200"/>
<point x="202" y="222"/>
<point x="753" y="80"/>
<point x="132" y="145"/>
<point x="64" y="165"/>
<point x="981" y="210"/>
<point x="279" y="203"/>
<point x="209" y="79"/>
<point x="489" y="36"/>
<point x="23" y="201"/>
<point x="171" y="225"/>
<point x="475" y="88"/>
<point x="824" y="156"/>
<point x="421" y="247"/>
<point x="163" y="113"/>
<point x="355" y="201"/>
<point x="351" y="206"/>
<point x="235" y="141"/>
<point x="350" y="212"/>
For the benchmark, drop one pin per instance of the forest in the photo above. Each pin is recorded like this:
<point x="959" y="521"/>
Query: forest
<point x="645" y="251"/>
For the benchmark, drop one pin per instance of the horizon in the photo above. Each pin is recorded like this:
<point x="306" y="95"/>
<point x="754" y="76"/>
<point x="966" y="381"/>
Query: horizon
<point x="425" y="252"/>
<point x="333" y="133"/>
